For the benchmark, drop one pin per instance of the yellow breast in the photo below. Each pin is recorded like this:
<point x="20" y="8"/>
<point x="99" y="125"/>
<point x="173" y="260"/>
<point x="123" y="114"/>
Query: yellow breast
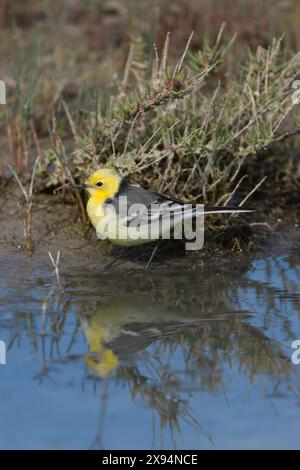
<point x="95" y="210"/>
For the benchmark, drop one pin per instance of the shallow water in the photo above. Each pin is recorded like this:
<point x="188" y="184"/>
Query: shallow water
<point x="193" y="361"/>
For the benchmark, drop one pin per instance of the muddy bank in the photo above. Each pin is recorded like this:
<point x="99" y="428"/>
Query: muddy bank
<point x="57" y="225"/>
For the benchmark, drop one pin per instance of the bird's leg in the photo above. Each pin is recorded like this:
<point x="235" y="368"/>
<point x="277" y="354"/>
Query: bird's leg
<point x="152" y="256"/>
<point x="124" y="253"/>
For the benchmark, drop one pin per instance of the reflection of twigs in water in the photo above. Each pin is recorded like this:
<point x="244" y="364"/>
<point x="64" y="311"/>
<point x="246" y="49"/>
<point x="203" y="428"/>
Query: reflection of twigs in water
<point x="271" y="298"/>
<point x="73" y="336"/>
<point x="52" y="303"/>
<point x="56" y="272"/>
<point x="45" y="370"/>
<point x="98" y="441"/>
<point x="255" y="353"/>
<point x="163" y="400"/>
<point x="56" y="326"/>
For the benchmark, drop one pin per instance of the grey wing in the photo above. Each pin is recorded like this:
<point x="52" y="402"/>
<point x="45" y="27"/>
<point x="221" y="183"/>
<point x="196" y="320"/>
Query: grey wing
<point x="146" y="207"/>
<point x="137" y="206"/>
<point x="133" y="195"/>
<point x="132" y="204"/>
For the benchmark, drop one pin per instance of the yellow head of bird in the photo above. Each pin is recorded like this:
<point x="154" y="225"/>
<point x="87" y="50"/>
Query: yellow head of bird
<point x="103" y="184"/>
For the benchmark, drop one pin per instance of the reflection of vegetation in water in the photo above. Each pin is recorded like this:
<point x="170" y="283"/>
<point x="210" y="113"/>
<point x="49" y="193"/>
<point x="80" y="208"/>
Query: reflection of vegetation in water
<point x="206" y="334"/>
<point x="182" y="336"/>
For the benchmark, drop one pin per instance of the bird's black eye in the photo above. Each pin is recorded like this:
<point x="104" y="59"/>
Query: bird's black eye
<point x="99" y="184"/>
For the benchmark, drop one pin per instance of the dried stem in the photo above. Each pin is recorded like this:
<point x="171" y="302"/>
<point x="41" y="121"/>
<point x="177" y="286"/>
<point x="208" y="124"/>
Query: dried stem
<point x="28" y="196"/>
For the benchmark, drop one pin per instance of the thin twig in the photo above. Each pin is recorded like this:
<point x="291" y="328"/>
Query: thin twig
<point x="179" y="64"/>
<point x="253" y="191"/>
<point x="29" y="203"/>
<point x="56" y="272"/>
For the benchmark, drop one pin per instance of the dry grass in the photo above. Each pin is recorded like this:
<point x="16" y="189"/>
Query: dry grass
<point x="172" y="131"/>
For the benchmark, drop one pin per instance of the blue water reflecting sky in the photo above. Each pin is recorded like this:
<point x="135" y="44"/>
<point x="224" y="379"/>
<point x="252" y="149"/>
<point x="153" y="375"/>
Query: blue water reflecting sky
<point x="208" y="370"/>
